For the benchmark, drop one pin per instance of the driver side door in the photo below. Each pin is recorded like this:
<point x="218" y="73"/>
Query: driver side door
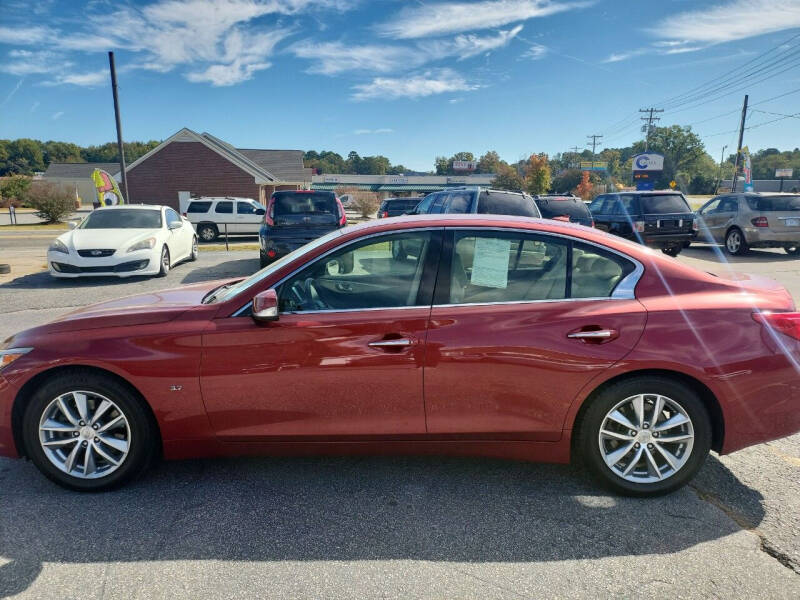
<point x="345" y="358"/>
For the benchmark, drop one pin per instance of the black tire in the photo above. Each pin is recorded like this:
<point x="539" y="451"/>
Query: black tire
<point x="143" y="434"/>
<point x="263" y="260"/>
<point x="587" y="443"/>
<point x="194" y="252"/>
<point x="207" y="232"/>
<point x="672" y="250"/>
<point x="792" y="250"/>
<point x="165" y="262"/>
<point x="687" y="244"/>
<point x="733" y="248"/>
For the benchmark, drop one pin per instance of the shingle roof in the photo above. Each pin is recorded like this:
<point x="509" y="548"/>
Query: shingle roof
<point x="79" y="170"/>
<point x="286" y="165"/>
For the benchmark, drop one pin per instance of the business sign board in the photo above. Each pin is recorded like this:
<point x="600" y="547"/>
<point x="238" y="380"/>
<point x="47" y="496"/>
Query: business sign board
<point x="330" y="179"/>
<point x="456" y="180"/>
<point x="747" y="169"/>
<point x="396" y="179"/>
<point x="594" y="165"/>
<point x="464" y="165"/>
<point x="784" y="172"/>
<point x="645" y="180"/>
<point x="648" y="162"/>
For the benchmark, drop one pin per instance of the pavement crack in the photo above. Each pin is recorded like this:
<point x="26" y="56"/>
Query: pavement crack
<point x="764" y="544"/>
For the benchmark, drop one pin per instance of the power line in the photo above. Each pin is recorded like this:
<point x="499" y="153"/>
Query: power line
<point x="594" y="139"/>
<point x="650" y="120"/>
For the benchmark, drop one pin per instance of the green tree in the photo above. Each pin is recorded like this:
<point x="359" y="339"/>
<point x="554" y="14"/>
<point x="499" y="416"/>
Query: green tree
<point x="508" y="178"/>
<point x="537" y="174"/>
<point x="489" y="162"/>
<point x="15" y="189"/>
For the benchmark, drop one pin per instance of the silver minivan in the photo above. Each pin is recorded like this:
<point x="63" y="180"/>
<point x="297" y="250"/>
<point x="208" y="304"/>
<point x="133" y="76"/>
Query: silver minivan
<point x="747" y="220"/>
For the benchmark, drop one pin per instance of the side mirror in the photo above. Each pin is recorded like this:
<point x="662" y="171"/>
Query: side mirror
<point x="265" y="306"/>
<point x="261" y="211"/>
<point x="72" y="225"/>
<point x="176" y="225"/>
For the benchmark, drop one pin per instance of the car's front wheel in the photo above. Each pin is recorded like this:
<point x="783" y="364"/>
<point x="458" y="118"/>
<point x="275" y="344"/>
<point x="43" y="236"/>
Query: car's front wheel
<point x="792" y="250"/>
<point x="194" y="251"/>
<point x="87" y="432"/>
<point x="165" y="262"/>
<point x="645" y="436"/>
<point x="672" y="250"/>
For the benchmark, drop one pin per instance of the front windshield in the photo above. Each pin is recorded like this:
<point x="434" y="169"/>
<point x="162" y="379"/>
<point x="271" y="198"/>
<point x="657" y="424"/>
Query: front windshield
<point x="258" y="276"/>
<point x="122" y="218"/>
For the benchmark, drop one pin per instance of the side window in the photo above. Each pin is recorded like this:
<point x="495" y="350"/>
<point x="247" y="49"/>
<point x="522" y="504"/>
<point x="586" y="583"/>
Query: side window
<point x="380" y="272"/>
<point x="172" y="217"/>
<point x="729" y="204"/>
<point x="711" y="207"/>
<point x="459" y="202"/>
<point x="437" y="206"/>
<point x="596" y="207"/>
<point x="507" y="203"/>
<point x="224" y="208"/>
<point x="626" y="205"/>
<point x="424" y="205"/>
<point x="243" y="208"/>
<point x="198" y="207"/>
<point x="506" y="267"/>
<point x="595" y="272"/>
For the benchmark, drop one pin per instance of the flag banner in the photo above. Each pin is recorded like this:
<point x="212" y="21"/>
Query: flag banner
<point x="108" y="193"/>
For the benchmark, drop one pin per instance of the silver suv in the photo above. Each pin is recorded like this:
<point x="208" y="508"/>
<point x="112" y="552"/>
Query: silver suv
<point x="751" y="220"/>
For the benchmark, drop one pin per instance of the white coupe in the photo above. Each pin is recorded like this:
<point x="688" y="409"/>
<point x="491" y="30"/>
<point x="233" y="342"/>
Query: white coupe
<point x="125" y="241"/>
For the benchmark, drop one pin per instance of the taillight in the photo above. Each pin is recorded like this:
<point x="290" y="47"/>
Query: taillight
<point x="638" y="226"/>
<point x="785" y="323"/>
<point x="760" y="222"/>
<point x="695" y="225"/>
<point x="591" y="223"/>
<point x="385" y="214"/>
<point x="269" y="215"/>
<point x="271" y="253"/>
<point x="342" y="215"/>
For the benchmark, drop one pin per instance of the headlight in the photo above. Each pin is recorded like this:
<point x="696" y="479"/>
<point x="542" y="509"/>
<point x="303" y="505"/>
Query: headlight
<point x="10" y="355"/>
<point x="58" y="246"/>
<point x="143" y="245"/>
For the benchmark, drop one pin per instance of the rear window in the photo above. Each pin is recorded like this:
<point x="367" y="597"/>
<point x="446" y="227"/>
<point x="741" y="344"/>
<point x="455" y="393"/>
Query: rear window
<point x="554" y="207"/>
<point x="294" y="203"/>
<point x="198" y="207"/>
<point x="661" y="204"/>
<point x="501" y="203"/>
<point x="774" y="203"/>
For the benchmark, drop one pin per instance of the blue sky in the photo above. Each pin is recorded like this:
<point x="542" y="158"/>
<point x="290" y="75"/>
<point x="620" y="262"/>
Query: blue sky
<point x="406" y="79"/>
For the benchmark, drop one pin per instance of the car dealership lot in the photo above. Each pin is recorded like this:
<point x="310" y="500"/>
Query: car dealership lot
<point x="393" y="527"/>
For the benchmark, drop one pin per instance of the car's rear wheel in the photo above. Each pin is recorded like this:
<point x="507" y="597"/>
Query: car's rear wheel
<point x="672" y="250"/>
<point x="165" y="262"/>
<point x="194" y="252"/>
<point x="645" y="436"/>
<point x="263" y="259"/>
<point x="792" y="250"/>
<point x="735" y="242"/>
<point x="207" y="232"/>
<point x="87" y="432"/>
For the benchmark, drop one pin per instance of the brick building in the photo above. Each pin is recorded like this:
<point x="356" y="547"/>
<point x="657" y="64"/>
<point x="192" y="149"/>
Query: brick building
<point x="204" y="165"/>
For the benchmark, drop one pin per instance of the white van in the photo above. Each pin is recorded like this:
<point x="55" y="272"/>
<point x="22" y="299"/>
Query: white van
<point x="211" y="216"/>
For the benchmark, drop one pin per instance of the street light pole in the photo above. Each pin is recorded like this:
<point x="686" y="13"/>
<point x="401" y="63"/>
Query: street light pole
<point x="120" y="147"/>
<point x="719" y="177"/>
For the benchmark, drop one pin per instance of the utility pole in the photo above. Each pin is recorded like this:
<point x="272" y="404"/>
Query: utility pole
<point x="739" y="145"/>
<point x="650" y="120"/>
<point x="594" y="138"/>
<point x="719" y="177"/>
<point x="120" y="147"/>
<point x="575" y="152"/>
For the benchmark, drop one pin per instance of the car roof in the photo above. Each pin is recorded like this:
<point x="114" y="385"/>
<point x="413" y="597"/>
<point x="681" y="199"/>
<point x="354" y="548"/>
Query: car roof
<point x="136" y="206"/>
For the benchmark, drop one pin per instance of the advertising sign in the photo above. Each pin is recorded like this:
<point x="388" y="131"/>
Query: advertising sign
<point x="747" y="169"/>
<point x="397" y="179"/>
<point x="648" y="162"/>
<point x="594" y="165"/>
<point x="330" y="179"/>
<point x="456" y="180"/>
<point x="464" y="165"/>
<point x="108" y="193"/>
<point x="784" y="172"/>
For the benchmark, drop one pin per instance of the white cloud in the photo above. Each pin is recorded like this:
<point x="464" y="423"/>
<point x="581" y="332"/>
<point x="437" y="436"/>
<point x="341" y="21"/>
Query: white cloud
<point x="90" y="79"/>
<point x="25" y="35"/>
<point x="452" y="17"/>
<point x="29" y="62"/>
<point x="731" y="21"/>
<point x="620" y="56"/>
<point x="535" y="52"/>
<point x="224" y="75"/>
<point x="465" y="46"/>
<point x="438" y="81"/>
<point x="372" y="131"/>
<point x="56" y="116"/>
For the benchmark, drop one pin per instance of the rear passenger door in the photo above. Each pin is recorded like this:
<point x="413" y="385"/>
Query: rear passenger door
<point x="521" y="322"/>
<point x="224" y="217"/>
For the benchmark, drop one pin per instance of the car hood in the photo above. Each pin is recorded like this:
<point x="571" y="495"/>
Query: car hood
<point x="143" y="309"/>
<point x="116" y="239"/>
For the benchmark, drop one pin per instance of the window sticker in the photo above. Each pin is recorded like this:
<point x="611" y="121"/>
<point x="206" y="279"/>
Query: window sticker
<point x="490" y="264"/>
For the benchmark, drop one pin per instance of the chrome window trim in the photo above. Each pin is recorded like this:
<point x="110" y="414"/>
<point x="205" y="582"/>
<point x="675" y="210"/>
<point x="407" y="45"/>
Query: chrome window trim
<point x="624" y="290"/>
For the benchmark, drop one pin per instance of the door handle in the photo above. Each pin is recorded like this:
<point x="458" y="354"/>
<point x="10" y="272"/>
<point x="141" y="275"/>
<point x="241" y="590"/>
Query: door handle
<point x="392" y="344"/>
<point x="597" y="336"/>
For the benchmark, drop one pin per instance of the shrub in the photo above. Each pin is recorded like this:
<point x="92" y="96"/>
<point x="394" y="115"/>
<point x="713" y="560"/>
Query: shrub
<point x="52" y="202"/>
<point x="366" y="204"/>
<point x="14" y="190"/>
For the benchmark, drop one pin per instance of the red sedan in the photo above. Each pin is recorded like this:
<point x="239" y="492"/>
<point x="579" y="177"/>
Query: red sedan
<point x="472" y="335"/>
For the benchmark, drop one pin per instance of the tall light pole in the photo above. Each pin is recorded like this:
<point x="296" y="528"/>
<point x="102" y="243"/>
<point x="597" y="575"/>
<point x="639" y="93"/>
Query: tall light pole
<point x="719" y="177"/>
<point x="120" y="147"/>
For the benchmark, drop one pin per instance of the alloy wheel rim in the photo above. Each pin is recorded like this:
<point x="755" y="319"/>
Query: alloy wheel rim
<point x="165" y="259"/>
<point x="646" y="438"/>
<point x="194" y="247"/>
<point x="734" y="242"/>
<point x="85" y="434"/>
<point x="207" y="234"/>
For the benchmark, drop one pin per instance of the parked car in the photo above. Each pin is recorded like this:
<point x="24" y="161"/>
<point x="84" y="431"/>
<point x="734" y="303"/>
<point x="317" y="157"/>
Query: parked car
<point x="659" y="219"/>
<point x="505" y="337"/>
<point x="215" y="216"/>
<point x="393" y="207"/>
<point x="296" y="217"/>
<point x="752" y="220"/>
<point x="564" y="208"/>
<point x="123" y="241"/>
<point x="478" y="200"/>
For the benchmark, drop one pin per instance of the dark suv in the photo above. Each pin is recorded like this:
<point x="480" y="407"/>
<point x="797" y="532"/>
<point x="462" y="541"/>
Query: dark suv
<point x="657" y="219"/>
<point x="393" y="207"/>
<point x="296" y="217"/>
<point x="564" y="208"/>
<point x="478" y="200"/>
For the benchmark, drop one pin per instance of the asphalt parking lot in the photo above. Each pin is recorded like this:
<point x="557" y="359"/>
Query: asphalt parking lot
<point x="391" y="527"/>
